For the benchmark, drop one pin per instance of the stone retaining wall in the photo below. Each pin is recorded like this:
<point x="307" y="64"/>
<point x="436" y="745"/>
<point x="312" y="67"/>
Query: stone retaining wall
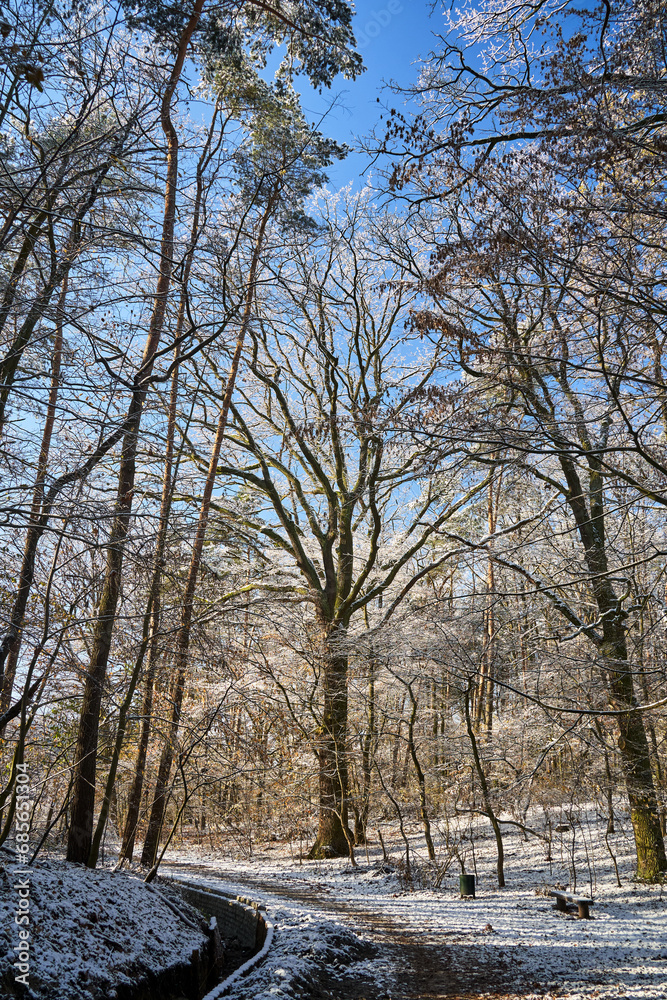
<point x="239" y="919"/>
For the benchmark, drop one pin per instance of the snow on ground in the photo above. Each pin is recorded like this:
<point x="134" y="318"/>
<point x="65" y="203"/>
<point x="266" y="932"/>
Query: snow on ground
<point x="620" y="952"/>
<point x="305" y="945"/>
<point x="90" y="930"/>
<point x="344" y="932"/>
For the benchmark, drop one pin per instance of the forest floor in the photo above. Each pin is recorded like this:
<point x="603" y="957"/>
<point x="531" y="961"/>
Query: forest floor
<point x="365" y="933"/>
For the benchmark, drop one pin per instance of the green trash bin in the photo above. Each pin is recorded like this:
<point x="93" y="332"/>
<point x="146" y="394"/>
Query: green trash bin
<point x="467" y="885"/>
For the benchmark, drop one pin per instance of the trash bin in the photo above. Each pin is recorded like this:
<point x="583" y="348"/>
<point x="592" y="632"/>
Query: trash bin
<point x="467" y="884"/>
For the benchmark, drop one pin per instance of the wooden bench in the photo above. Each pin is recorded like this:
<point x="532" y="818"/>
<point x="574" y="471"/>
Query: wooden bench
<point x="582" y="904"/>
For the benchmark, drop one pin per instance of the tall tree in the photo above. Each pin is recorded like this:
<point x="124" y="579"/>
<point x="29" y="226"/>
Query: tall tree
<point x="516" y="333"/>
<point x="541" y="163"/>
<point x="284" y="160"/>
<point x="73" y="142"/>
<point x="315" y="433"/>
<point x="213" y="42"/>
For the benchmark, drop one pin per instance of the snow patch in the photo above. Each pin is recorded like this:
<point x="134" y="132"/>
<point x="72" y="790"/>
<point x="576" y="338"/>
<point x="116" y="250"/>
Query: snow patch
<point x="92" y="930"/>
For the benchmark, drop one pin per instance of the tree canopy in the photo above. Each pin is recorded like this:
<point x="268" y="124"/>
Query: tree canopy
<point x="319" y="505"/>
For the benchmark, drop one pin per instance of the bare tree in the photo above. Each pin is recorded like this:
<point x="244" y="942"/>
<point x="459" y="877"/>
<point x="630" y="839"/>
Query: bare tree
<point x="314" y="433"/>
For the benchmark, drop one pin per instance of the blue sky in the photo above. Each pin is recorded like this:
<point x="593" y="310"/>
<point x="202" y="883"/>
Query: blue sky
<point x="391" y="35"/>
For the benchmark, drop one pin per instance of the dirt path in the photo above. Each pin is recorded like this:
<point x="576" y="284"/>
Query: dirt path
<point x="425" y="966"/>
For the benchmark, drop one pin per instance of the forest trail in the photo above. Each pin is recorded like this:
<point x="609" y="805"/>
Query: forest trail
<point x="423" y="965"/>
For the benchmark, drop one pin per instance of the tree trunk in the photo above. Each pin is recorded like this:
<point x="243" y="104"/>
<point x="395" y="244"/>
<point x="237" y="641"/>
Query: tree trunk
<point x="484" y="700"/>
<point x="632" y="742"/>
<point x="182" y="643"/>
<point x="609" y="787"/>
<point x="126" y="704"/>
<point x="368" y="748"/>
<point x="83" y="802"/>
<point x="421" y="780"/>
<point x="636" y="763"/>
<point x="333" y="836"/>
<point x="11" y="644"/>
<point x="168" y="479"/>
<point x="134" y="799"/>
<point x="134" y="803"/>
<point x="160" y="795"/>
<point x="488" y="807"/>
